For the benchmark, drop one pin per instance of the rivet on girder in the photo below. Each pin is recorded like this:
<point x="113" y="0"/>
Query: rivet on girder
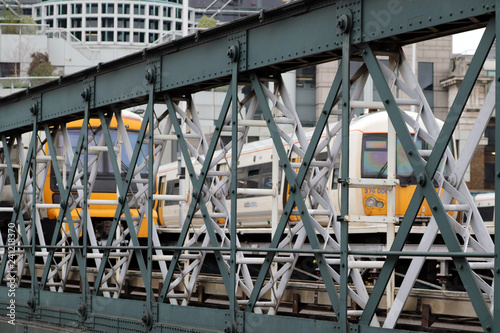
<point x="82" y="310"/>
<point x="147" y="319"/>
<point x="233" y="52"/>
<point x="344" y="23"/>
<point x="150" y="75"/>
<point x="86" y="94"/>
<point x="421" y="180"/>
<point x="34" y="109"/>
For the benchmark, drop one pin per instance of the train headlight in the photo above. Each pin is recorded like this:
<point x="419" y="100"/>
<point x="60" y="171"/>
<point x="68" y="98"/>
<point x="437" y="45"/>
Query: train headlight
<point x="371" y="202"/>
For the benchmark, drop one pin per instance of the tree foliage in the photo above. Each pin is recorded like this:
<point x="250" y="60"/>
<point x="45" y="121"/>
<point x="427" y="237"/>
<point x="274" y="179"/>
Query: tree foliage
<point x="207" y="22"/>
<point x="40" y="65"/>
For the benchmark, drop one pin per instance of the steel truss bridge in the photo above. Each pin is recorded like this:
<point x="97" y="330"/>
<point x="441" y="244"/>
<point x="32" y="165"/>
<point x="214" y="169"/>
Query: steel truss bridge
<point x="252" y="51"/>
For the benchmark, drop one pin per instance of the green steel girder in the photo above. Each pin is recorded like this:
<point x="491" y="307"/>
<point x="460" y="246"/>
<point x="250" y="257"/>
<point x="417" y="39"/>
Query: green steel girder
<point x="424" y="177"/>
<point x="197" y="201"/>
<point x="65" y="194"/>
<point x="295" y="198"/>
<point x="122" y="206"/>
<point x="434" y="160"/>
<point x="275" y="41"/>
<point x="123" y="316"/>
<point x="280" y="39"/>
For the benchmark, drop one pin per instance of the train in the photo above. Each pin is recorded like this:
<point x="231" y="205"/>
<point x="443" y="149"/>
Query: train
<point x="103" y="198"/>
<point x="368" y="160"/>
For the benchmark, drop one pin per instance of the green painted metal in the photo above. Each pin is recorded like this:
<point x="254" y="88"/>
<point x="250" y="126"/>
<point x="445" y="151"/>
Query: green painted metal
<point x="345" y="24"/>
<point x="122" y="207"/>
<point x="434" y="160"/>
<point x="295" y="196"/>
<point x="198" y="183"/>
<point x="305" y="32"/>
<point x="234" y="53"/>
<point x="424" y="179"/>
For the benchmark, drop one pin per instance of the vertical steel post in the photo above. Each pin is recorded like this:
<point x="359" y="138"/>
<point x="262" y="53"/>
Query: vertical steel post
<point x="84" y="210"/>
<point x="34" y="281"/>
<point x="233" y="53"/>
<point x="344" y="25"/>
<point x="150" y="76"/>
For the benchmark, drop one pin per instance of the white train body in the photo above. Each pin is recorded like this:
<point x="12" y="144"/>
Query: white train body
<point x="367" y="135"/>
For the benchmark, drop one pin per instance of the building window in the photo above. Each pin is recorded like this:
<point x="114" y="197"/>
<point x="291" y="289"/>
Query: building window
<point x="123" y="8"/>
<point x="178" y="13"/>
<point x="426" y="80"/>
<point x="123" y="23"/>
<point x="91" y="36"/>
<point x="139" y="24"/>
<point x="167" y="11"/>
<point x="153" y="10"/>
<point x="50" y="23"/>
<point x="108" y="8"/>
<point x="167" y="25"/>
<point x="107" y="22"/>
<point x="77" y="8"/>
<point x="76" y="23"/>
<point x="49" y="10"/>
<point x="91" y="22"/>
<point x="123" y="36"/>
<point x="107" y="36"/>
<point x="38" y="12"/>
<point x="62" y="23"/>
<point x="9" y="69"/>
<point x="138" y="37"/>
<point x="178" y="26"/>
<point x="77" y="34"/>
<point x="153" y="38"/>
<point x="153" y="24"/>
<point x="63" y="9"/>
<point x="139" y="9"/>
<point x="92" y="8"/>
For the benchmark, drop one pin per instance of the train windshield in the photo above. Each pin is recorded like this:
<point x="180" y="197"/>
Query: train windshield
<point x="94" y="140"/>
<point x="374" y="158"/>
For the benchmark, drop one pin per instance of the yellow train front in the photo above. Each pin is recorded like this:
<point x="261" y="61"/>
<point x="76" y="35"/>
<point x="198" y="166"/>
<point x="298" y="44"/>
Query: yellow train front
<point x="368" y="159"/>
<point x="104" y="189"/>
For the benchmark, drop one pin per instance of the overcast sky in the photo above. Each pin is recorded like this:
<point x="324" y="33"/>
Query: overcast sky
<point x="467" y="41"/>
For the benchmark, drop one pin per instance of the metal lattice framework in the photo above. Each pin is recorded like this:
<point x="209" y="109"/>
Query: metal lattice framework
<point x="254" y="51"/>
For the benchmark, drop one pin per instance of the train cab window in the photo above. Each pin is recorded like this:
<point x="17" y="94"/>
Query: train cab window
<point x="73" y="137"/>
<point x="374" y="158"/>
<point x="125" y="159"/>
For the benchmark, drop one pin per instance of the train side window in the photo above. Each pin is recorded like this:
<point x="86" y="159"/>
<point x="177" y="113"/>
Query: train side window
<point x="487" y="213"/>
<point x="173" y="189"/>
<point x="267" y="176"/>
